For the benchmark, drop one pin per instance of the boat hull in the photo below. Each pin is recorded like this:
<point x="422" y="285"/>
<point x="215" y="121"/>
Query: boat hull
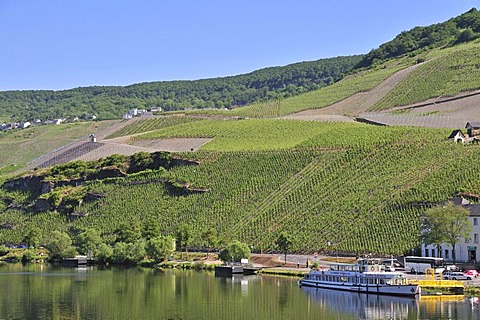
<point x="395" y="290"/>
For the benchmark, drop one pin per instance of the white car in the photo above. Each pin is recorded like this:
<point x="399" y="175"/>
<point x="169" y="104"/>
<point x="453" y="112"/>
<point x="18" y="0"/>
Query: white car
<point x="455" y="275"/>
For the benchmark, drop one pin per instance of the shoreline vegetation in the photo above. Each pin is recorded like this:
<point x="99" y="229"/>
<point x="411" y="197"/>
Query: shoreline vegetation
<point x="206" y="262"/>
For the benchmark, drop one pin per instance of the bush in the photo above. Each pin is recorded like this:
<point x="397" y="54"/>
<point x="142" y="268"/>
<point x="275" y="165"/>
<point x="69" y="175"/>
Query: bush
<point x="4" y="250"/>
<point x="28" y="256"/>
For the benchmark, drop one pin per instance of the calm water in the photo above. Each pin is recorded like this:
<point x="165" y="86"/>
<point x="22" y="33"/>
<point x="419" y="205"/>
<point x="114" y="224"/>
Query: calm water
<point x="45" y="292"/>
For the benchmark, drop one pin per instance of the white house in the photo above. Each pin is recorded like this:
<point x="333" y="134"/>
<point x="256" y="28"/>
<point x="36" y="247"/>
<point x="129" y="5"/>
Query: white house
<point x="24" y="125"/>
<point x="467" y="250"/>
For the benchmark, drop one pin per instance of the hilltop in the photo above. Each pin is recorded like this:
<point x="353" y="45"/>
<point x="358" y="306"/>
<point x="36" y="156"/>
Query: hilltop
<point x="256" y="171"/>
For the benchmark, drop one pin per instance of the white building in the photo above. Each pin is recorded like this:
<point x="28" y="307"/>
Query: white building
<point x="465" y="249"/>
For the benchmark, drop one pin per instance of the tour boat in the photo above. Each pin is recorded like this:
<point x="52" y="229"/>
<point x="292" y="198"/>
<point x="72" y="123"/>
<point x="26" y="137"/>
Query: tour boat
<point x="366" y="276"/>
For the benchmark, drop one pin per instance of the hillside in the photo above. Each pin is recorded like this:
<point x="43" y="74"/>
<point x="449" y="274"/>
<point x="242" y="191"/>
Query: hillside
<point x="316" y="181"/>
<point x="112" y="102"/>
<point x="253" y="172"/>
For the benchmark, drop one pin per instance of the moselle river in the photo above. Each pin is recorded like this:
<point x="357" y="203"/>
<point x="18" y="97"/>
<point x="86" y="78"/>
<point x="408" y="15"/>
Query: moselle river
<point x="48" y="292"/>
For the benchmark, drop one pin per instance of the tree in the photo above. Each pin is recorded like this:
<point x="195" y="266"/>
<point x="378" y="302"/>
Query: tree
<point x="89" y="240"/>
<point x="284" y="243"/>
<point x="128" y="253"/>
<point x="32" y="238"/>
<point x="59" y="245"/>
<point x="446" y="224"/>
<point x="104" y="253"/>
<point x="430" y="227"/>
<point x="210" y="238"/>
<point x="129" y="232"/>
<point x="184" y="236"/>
<point x="159" y="248"/>
<point x="150" y="228"/>
<point x="235" y="252"/>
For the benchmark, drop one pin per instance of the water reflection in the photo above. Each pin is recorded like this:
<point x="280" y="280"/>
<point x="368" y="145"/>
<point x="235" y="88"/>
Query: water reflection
<point x="46" y="292"/>
<point x="364" y="306"/>
<point x="367" y="306"/>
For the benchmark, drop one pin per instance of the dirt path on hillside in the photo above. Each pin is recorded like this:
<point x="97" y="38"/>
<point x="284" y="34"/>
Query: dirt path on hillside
<point x="355" y="105"/>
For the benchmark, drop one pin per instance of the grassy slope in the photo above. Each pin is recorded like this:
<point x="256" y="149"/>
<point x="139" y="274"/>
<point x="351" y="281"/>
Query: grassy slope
<point x="448" y="72"/>
<point x="359" y="186"/>
<point x="21" y="146"/>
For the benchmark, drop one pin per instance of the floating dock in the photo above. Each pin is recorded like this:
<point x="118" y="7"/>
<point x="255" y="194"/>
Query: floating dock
<point x="453" y="286"/>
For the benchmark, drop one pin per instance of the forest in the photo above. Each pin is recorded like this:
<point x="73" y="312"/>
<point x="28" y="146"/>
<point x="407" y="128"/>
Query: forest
<point x="111" y="102"/>
<point x="463" y="28"/>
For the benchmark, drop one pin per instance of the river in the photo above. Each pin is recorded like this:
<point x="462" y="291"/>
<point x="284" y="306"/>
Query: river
<point x="47" y="292"/>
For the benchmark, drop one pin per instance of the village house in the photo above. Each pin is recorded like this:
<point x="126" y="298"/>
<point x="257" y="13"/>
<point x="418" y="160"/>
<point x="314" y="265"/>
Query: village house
<point x="135" y="112"/>
<point x="466" y="249"/>
<point x="472" y="136"/>
<point x="457" y="136"/>
<point x="473" y="129"/>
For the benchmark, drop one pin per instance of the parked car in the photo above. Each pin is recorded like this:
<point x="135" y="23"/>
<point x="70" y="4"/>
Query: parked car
<point x="455" y="275"/>
<point x="391" y="264"/>
<point x="452" y="267"/>
<point x="471" y="273"/>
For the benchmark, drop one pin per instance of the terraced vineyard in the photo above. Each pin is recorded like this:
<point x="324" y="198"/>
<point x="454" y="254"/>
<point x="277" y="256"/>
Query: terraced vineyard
<point x="273" y="134"/>
<point x="360" y="187"/>
<point x="149" y="124"/>
<point x="447" y="73"/>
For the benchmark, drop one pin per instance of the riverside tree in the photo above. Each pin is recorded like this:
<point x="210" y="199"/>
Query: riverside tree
<point x="445" y="224"/>
<point x="284" y="243"/>
<point x="60" y="245"/>
<point x="184" y="236"/>
<point x="32" y="238"/>
<point x="90" y="239"/>
<point x="159" y="248"/>
<point x="234" y="252"/>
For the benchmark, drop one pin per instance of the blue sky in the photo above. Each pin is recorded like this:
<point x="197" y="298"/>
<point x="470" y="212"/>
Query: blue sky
<point x="57" y="45"/>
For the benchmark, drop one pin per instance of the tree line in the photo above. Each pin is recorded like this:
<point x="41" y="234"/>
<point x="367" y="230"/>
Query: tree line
<point x="108" y="102"/>
<point x="463" y="28"/>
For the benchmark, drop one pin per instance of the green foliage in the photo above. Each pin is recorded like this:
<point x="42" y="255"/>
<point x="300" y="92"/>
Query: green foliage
<point x="89" y="240"/>
<point x="104" y="253"/>
<point x="28" y="256"/>
<point x="325" y="96"/>
<point x="33" y="237"/>
<point x="434" y="36"/>
<point x="112" y="102"/>
<point x="128" y="253"/>
<point x="446" y="224"/>
<point x="59" y="245"/>
<point x="129" y="232"/>
<point x="33" y="142"/>
<point x="159" y="248"/>
<point x="3" y="250"/>
<point x="184" y="236"/>
<point x="150" y="228"/>
<point x="210" y="239"/>
<point x="447" y="73"/>
<point x="151" y="124"/>
<point x="284" y="243"/>
<point x="234" y="252"/>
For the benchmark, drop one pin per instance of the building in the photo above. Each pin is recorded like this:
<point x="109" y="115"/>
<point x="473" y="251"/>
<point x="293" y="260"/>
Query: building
<point x="457" y="136"/>
<point x="473" y="129"/>
<point x="466" y="250"/>
<point x="472" y="136"/>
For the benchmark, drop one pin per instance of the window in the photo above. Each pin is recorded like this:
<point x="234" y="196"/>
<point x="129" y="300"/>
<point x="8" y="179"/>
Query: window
<point x="426" y="252"/>
<point x="467" y="240"/>
<point x="475" y="238"/>
<point x="446" y="254"/>
<point x="475" y="221"/>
